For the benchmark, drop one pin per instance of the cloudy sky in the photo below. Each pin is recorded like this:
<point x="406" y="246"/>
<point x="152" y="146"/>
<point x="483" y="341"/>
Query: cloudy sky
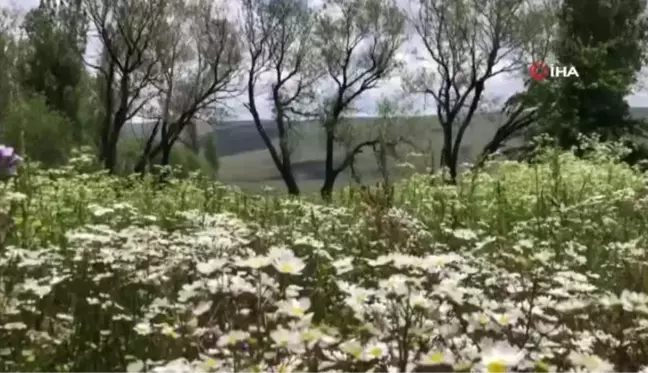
<point x="498" y="87"/>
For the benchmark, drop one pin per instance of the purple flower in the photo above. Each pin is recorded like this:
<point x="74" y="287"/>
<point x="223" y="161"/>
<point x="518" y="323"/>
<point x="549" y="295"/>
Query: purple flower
<point x="9" y="161"/>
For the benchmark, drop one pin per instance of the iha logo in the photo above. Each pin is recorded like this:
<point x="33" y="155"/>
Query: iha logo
<point x="541" y="71"/>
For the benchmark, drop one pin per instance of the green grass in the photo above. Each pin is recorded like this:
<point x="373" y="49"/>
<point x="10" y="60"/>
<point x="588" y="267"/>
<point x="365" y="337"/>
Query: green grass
<point x="538" y="267"/>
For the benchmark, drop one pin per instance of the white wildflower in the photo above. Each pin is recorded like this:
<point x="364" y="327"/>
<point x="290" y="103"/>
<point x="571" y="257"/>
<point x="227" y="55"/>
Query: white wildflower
<point x="255" y="262"/>
<point x="376" y="350"/>
<point x="591" y="363"/>
<point x="343" y="265"/>
<point x="289" y="264"/>
<point x="294" y="307"/>
<point x="211" y="266"/>
<point x="501" y="357"/>
<point x="232" y="337"/>
<point x="286" y="338"/>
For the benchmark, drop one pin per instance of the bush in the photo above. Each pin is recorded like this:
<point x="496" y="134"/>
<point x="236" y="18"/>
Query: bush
<point x="527" y="267"/>
<point x="44" y="134"/>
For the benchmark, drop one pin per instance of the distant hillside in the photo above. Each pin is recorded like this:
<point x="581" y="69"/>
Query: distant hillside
<point x="236" y="137"/>
<point x="244" y="159"/>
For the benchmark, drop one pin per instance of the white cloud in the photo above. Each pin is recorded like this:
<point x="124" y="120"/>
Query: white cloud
<point x="21" y="4"/>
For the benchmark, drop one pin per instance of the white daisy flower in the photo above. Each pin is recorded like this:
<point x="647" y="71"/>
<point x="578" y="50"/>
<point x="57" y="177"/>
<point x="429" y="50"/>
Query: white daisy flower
<point x="501" y="357"/>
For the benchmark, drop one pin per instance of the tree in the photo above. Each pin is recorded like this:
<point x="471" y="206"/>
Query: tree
<point x="358" y="41"/>
<point x="128" y="31"/>
<point x="519" y="113"/>
<point x="32" y="118"/>
<point x="278" y="36"/>
<point x="470" y="42"/>
<point x="393" y="131"/>
<point x="605" y="41"/>
<point x="52" y="66"/>
<point x="199" y="55"/>
<point x="9" y="47"/>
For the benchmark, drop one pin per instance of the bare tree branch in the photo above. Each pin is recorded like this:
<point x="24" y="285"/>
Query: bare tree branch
<point x="200" y="58"/>
<point x="278" y="35"/>
<point x="126" y="29"/>
<point x="358" y="41"/>
<point x="470" y="42"/>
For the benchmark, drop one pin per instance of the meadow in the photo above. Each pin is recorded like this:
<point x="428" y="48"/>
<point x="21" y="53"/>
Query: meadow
<point x="535" y="266"/>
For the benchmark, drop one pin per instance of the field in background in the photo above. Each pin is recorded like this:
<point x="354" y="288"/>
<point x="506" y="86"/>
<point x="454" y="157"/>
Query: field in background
<point x="245" y="161"/>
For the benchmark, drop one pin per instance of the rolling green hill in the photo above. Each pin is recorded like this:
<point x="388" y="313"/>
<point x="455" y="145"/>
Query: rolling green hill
<point x="244" y="159"/>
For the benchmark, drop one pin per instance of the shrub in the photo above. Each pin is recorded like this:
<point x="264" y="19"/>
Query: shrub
<point x="44" y="134"/>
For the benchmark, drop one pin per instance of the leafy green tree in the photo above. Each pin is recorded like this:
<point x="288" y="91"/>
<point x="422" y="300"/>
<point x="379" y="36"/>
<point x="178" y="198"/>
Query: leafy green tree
<point x="53" y="64"/>
<point x="8" y="54"/>
<point x="604" y="41"/>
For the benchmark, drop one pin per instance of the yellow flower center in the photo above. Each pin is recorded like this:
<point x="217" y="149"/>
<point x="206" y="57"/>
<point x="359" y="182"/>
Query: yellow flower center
<point x="436" y="357"/>
<point x="496" y="367"/>
<point x="375" y="352"/>
<point x="286" y="268"/>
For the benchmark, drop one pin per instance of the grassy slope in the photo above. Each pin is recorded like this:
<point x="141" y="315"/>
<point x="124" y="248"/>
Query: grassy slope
<point x="246" y="162"/>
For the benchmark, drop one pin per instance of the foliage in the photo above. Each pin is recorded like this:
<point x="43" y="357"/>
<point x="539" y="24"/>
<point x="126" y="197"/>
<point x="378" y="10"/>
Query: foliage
<point x="38" y="131"/>
<point x="52" y="65"/>
<point x="528" y="267"/>
<point x="605" y="42"/>
<point x="46" y="105"/>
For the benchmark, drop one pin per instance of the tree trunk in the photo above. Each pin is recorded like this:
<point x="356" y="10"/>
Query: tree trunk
<point x="110" y="161"/>
<point x="327" y="188"/>
<point x="120" y="118"/>
<point x="329" y="171"/>
<point x="446" y="154"/>
<point x="291" y="183"/>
